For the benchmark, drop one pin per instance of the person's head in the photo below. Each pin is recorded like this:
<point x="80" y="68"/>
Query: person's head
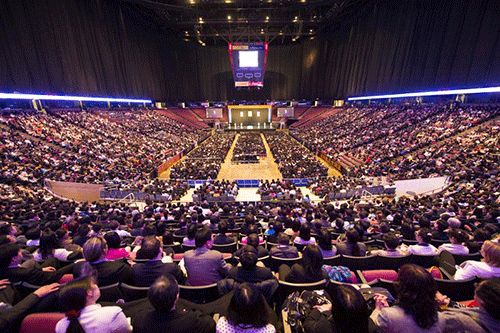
<point x="349" y="309"/>
<point x="487" y="295"/>
<point x="76" y="295"/>
<point x="168" y="237"/>
<point x="191" y="231"/>
<point x="83" y="230"/>
<point x="391" y="240"/>
<point x="48" y="243"/>
<point x="352" y="236"/>
<point x="248" y="257"/>
<point x="163" y="293"/>
<point x="33" y="233"/>
<point x="481" y="235"/>
<point x="416" y="290"/>
<point x="325" y="240"/>
<point x="10" y="254"/>
<point x="113" y="225"/>
<point x="247" y="307"/>
<point x="312" y="260"/>
<point x="491" y="253"/>
<point x="296" y="225"/>
<point x="203" y="237"/>
<point x="283" y="239"/>
<point x="424" y="235"/>
<point x="95" y="248"/>
<point x="305" y="232"/>
<point x="97" y="227"/>
<point x="112" y="239"/>
<point x="149" y="230"/>
<point x="150" y="247"/>
<point x="253" y="240"/>
<point x="454" y="223"/>
<point x="223" y="227"/>
<point x="385" y="227"/>
<point x="441" y="225"/>
<point x="458" y="236"/>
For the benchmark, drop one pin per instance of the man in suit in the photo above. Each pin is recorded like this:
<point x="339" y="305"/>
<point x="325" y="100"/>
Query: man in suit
<point x="222" y="238"/>
<point x="203" y="265"/>
<point x="108" y="271"/>
<point x="11" y="258"/>
<point x="284" y="249"/>
<point x="144" y="274"/>
<point x="168" y="313"/>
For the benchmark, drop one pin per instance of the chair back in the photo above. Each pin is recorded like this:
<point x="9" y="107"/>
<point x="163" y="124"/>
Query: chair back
<point x="375" y="274"/>
<point x="457" y="290"/>
<point x="333" y="261"/>
<point x="270" y="245"/>
<point x="425" y="261"/>
<point x="188" y="247"/>
<point x="439" y="242"/>
<point x="177" y="248"/>
<point x="199" y="294"/>
<point x="111" y="293"/>
<point x="300" y="247"/>
<point x="460" y="258"/>
<point x="275" y="262"/>
<point x="41" y="322"/>
<point x="388" y="262"/>
<point x="358" y="263"/>
<point x="225" y="248"/>
<point x="132" y="293"/>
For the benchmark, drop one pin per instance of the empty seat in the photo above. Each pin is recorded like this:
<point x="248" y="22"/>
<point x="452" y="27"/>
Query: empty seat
<point x="41" y="322"/>
<point x="358" y="263"/>
<point x="388" y="262"/>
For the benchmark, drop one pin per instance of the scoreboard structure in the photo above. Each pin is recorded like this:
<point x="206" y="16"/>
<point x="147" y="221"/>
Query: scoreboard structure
<point x="248" y="62"/>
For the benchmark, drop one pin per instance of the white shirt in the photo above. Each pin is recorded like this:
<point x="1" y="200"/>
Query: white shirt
<point x="453" y="248"/>
<point x="61" y="254"/>
<point x="97" y="319"/>
<point x="471" y="268"/>
<point x="422" y="249"/>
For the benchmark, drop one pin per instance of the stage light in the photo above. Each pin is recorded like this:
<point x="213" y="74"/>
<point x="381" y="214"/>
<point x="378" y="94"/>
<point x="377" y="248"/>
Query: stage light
<point x="431" y="93"/>
<point x="71" y="98"/>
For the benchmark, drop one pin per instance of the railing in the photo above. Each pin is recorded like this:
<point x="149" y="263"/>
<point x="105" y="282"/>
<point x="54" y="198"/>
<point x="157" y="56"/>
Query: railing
<point x="48" y="187"/>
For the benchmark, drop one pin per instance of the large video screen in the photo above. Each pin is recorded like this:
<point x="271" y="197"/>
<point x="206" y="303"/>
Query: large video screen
<point x="248" y="62"/>
<point x="285" y="112"/>
<point x="213" y="112"/>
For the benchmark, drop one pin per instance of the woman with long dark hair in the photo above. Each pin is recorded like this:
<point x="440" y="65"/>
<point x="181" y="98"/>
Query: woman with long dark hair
<point x="247" y="312"/>
<point x="351" y="246"/>
<point x="416" y="308"/>
<point x="309" y="271"/>
<point x="49" y="248"/>
<point x="83" y="315"/>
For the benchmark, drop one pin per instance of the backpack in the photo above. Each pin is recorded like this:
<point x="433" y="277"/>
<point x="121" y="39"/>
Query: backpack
<point x="339" y="273"/>
<point x="298" y="305"/>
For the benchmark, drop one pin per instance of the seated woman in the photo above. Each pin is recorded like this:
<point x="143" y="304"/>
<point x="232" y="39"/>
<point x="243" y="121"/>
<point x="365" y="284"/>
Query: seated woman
<point x="246" y="312"/>
<point x="304" y="236"/>
<point x="309" y="271"/>
<point x="78" y="298"/>
<point x="325" y="244"/>
<point x="348" y="312"/>
<point x="485" y="319"/>
<point x="114" y="249"/>
<point x="49" y="248"/>
<point x="191" y="233"/>
<point x="352" y="247"/>
<point x="457" y="238"/>
<point x="423" y="237"/>
<point x="416" y="309"/>
<point x="489" y="267"/>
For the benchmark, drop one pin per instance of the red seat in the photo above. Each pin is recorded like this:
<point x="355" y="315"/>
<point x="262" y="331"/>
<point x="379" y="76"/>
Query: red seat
<point x="41" y="322"/>
<point x="66" y="278"/>
<point x="386" y="274"/>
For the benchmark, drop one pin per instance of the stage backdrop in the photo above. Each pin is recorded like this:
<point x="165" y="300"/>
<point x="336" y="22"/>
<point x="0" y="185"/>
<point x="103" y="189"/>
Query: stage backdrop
<point x="103" y="47"/>
<point x="250" y="115"/>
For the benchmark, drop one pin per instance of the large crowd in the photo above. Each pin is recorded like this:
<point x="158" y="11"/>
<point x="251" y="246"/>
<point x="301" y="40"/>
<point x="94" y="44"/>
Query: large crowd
<point x="248" y="147"/>
<point x="45" y="240"/>
<point x="293" y="159"/>
<point x="205" y="161"/>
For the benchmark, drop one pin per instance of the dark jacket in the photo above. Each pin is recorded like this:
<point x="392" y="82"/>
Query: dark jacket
<point x="144" y="274"/>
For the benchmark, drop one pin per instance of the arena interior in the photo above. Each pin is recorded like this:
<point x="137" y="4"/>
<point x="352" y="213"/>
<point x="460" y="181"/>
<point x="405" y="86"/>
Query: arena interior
<point x="186" y="165"/>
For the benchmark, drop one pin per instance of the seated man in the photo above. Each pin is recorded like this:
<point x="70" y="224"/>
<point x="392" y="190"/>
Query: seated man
<point x="108" y="271"/>
<point x="284" y="249"/>
<point x="144" y="274"/>
<point x="222" y="238"/>
<point x="168" y="315"/>
<point x="253" y="240"/>
<point x="204" y="266"/>
<point x="391" y="242"/>
<point x="11" y="258"/>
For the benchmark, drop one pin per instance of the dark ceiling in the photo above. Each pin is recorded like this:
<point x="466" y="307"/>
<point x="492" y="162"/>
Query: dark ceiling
<point x="218" y="22"/>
